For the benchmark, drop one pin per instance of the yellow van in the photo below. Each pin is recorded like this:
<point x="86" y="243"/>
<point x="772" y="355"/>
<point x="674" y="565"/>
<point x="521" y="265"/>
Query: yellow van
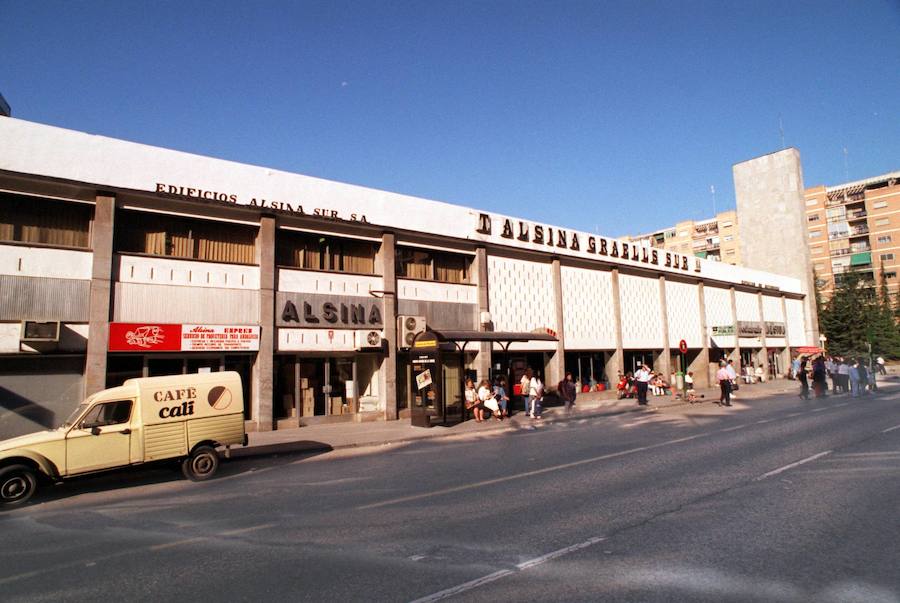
<point x="179" y="417"/>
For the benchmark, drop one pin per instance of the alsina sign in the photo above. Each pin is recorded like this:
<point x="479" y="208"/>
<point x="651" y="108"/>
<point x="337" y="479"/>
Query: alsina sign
<point x="331" y="313"/>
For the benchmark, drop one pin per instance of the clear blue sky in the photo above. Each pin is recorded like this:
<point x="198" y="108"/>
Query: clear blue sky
<point x="609" y="115"/>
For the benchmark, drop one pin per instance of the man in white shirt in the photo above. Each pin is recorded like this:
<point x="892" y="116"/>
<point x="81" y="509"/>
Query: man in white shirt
<point x="724" y="379"/>
<point x="642" y="378"/>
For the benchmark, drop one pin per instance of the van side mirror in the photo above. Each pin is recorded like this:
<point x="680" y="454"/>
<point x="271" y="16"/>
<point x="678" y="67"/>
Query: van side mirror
<point x="95" y="430"/>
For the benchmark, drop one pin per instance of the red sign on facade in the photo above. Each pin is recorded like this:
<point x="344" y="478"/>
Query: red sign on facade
<point x="151" y="337"/>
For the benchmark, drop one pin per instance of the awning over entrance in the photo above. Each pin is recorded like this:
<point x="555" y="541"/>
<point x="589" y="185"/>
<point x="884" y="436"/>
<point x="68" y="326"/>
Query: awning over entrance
<point x="810" y="349"/>
<point x="504" y="338"/>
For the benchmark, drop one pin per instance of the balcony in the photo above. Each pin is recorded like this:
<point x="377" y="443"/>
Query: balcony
<point x="859" y="230"/>
<point x="706" y="229"/>
<point x="857" y="215"/>
<point x="839" y="252"/>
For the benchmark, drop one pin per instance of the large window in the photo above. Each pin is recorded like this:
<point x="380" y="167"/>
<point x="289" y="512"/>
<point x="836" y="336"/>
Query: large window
<point x="158" y="234"/>
<point x="432" y="265"/>
<point x="30" y="220"/>
<point x="312" y="251"/>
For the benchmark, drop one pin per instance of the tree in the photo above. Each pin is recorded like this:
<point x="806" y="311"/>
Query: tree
<point x="855" y="316"/>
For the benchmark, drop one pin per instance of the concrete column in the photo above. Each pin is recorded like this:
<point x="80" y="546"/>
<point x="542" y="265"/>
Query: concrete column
<point x="483" y="358"/>
<point x="263" y="368"/>
<point x="556" y="367"/>
<point x="388" y="369"/>
<point x="764" y="352"/>
<point x="616" y="362"/>
<point x="100" y="294"/>
<point x="665" y="363"/>
<point x="700" y="365"/>
<point x="736" y="352"/>
<point x="786" y="351"/>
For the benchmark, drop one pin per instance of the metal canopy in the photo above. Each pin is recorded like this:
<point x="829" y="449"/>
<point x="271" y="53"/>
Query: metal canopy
<point x="504" y="338"/>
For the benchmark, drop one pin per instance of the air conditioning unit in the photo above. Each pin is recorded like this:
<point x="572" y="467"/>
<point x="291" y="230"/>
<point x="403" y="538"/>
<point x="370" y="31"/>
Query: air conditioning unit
<point x="33" y="330"/>
<point x="368" y="338"/>
<point x="409" y="327"/>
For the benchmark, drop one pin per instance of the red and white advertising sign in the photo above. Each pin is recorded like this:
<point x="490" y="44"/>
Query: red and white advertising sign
<point x="152" y="337"/>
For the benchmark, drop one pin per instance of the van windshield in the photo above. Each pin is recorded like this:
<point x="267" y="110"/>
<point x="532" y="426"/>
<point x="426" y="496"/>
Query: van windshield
<point x="75" y="414"/>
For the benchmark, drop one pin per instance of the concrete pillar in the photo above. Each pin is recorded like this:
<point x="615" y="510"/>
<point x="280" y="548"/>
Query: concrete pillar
<point x="764" y="352"/>
<point x="616" y="362"/>
<point x="100" y="294"/>
<point x="556" y="367"/>
<point x="664" y="364"/>
<point x="786" y="351"/>
<point x="483" y="358"/>
<point x="700" y="365"/>
<point x="388" y="370"/>
<point x="263" y="368"/>
<point x="736" y="352"/>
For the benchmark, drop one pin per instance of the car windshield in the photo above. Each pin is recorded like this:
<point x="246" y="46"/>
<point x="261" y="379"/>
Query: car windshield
<point x="75" y="414"/>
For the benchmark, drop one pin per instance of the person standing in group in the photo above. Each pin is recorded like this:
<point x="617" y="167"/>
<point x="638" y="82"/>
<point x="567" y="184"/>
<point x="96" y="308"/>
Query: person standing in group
<point x="863" y="377"/>
<point x="525" y="384"/>
<point x="854" y="378"/>
<point x="843" y="369"/>
<point x="724" y="379"/>
<point x="567" y="391"/>
<point x="501" y="396"/>
<point x="804" y="379"/>
<point x="819" y="372"/>
<point x="472" y="402"/>
<point x="536" y="391"/>
<point x="795" y="367"/>
<point x="642" y="377"/>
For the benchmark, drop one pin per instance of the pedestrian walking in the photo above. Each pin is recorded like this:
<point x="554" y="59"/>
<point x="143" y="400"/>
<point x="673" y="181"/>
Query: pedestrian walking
<point x="567" y="391"/>
<point x="724" y="379"/>
<point x="804" y="379"/>
<point x="880" y="366"/>
<point x="642" y="377"/>
<point x="729" y="366"/>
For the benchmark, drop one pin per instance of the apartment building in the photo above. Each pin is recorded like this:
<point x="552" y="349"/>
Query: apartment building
<point x="712" y="239"/>
<point x="855" y="227"/>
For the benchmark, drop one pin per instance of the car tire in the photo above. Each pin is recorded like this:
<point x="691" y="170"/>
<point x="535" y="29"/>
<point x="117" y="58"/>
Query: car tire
<point x="201" y="464"/>
<point x="18" y="483"/>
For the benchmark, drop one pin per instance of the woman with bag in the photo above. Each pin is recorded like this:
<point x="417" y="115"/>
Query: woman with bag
<point x="472" y="402"/>
<point x="525" y="385"/>
<point x="487" y="400"/>
<point x="536" y="391"/>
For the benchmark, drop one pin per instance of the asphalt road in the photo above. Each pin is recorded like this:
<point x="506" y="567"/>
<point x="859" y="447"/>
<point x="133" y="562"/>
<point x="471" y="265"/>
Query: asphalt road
<point x="772" y="500"/>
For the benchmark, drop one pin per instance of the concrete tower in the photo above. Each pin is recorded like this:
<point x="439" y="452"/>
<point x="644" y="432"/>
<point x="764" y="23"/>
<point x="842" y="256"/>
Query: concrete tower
<point x="772" y="214"/>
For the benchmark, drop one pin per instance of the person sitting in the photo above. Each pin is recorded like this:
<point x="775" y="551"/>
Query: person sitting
<point x="622" y="387"/>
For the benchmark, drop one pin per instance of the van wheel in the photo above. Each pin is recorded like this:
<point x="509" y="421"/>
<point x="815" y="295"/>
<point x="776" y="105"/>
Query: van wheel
<point x="17" y="484"/>
<point x="201" y="465"/>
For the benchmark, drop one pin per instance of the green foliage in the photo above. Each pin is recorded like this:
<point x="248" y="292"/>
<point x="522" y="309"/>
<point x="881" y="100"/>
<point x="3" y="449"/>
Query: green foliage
<point x="856" y="316"/>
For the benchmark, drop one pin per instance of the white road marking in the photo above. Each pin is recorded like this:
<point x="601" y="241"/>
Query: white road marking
<point x="466" y="586"/>
<point x="793" y="414"/>
<point x="839" y="405"/>
<point x="792" y="465"/>
<point x="507" y="478"/>
<point x="891" y="428"/>
<point x="819" y="409"/>
<point x="736" y="427"/>
<point x="169" y="545"/>
<point x="764" y="421"/>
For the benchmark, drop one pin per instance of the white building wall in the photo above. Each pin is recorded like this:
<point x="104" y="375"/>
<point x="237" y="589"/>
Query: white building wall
<point x="747" y="306"/>
<point x="641" y="313"/>
<point x="718" y="313"/>
<point x="310" y="281"/>
<point x="186" y="273"/>
<point x="683" y="314"/>
<point x="588" y="312"/>
<point x="521" y="298"/>
<point x="796" y="324"/>
<point x="19" y="260"/>
<point x="772" y="309"/>
<point x="437" y="292"/>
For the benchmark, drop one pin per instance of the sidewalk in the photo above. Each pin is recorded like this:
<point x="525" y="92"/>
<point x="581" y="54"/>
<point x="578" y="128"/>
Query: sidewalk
<point x="318" y="438"/>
